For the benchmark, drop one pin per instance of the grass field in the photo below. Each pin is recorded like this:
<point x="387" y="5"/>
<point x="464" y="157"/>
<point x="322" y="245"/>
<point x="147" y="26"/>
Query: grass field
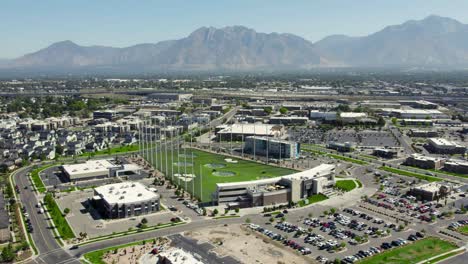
<point x="313" y="199"/>
<point x="241" y="171"/>
<point x="95" y="257"/>
<point x="412" y="253"/>
<point x="463" y="230"/>
<point x="411" y="174"/>
<point x="114" y="150"/>
<point x="345" y="185"/>
<point x="59" y="220"/>
<point x="37" y="179"/>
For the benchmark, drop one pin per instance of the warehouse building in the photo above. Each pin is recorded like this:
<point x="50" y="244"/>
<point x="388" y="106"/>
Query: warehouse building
<point x="278" y="190"/>
<point x="414" y="113"/>
<point x="272" y="147"/>
<point x="96" y="169"/>
<point x="425" y="162"/>
<point x="444" y="146"/>
<point x="125" y="199"/>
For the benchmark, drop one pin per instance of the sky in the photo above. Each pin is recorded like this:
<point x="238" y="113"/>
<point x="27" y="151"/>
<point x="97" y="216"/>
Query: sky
<point x="29" y="25"/>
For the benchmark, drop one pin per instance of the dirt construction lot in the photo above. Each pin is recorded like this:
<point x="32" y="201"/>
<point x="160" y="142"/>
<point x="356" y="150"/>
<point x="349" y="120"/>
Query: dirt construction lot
<point x="245" y="245"/>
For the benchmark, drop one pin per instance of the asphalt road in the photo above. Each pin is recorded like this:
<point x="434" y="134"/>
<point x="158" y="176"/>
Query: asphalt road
<point x="49" y="250"/>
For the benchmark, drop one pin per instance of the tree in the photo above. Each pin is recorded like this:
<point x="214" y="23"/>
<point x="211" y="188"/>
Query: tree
<point x="236" y="210"/>
<point x="283" y="110"/>
<point x="7" y="253"/>
<point x="66" y="211"/>
<point x="268" y="110"/>
<point x="394" y="120"/>
<point x="332" y="210"/>
<point x="215" y="211"/>
<point x="310" y="215"/>
<point x="226" y="210"/>
<point x="381" y="122"/>
<point x="272" y="219"/>
<point x="144" y="221"/>
<point x="247" y="220"/>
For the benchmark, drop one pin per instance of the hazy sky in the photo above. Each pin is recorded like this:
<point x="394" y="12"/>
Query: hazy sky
<point x="27" y="26"/>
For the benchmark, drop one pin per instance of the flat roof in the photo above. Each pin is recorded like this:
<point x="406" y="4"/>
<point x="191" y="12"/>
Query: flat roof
<point x="256" y="129"/>
<point x="88" y="167"/>
<point x="443" y="142"/>
<point x="352" y="114"/>
<point x="318" y="171"/>
<point x="125" y="192"/>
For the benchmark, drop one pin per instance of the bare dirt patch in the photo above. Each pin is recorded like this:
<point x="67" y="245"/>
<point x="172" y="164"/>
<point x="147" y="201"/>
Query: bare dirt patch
<point x="245" y="245"/>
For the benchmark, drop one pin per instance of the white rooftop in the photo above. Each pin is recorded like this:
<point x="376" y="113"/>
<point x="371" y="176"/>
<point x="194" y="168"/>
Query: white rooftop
<point x="319" y="171"/>
<point x="88" y="167"/>
<point x="352" y="115"/>
<point x="443" y="142"/>
<point x="256" y="129"/>
<point x="125" y="192"/>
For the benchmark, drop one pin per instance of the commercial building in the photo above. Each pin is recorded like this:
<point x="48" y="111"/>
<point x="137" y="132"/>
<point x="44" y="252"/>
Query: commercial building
<point x="444" y="146"/>
<point x="289" y="120"/>
<point x="342" y="147"/>
<point x="423" y="133"/>
<point x="272" y="147"/>
<point x="95" y="169"/>
<point x="430" y="191"/>
<point x="278" y="190"/>
<point x="414" y="113"/>
<point x="327" y="116"/>
<point x="351" y="117"/>
<point x="106" y="114"/>
<point x="457" y="166"/>
<point x="425" y="162"/>
<point x="177" y="256"/>
<point x="420" y="104"/>
<point x="417" y="122"/>
<point x="125" y="199"/>
<point x="166" y="97"/>
<point x="238" y="132"/>
<point x="385" y="153"/>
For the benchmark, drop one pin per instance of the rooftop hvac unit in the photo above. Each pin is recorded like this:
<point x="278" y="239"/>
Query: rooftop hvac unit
<point x="140" y="194"/>
<point x="121" y="197"/>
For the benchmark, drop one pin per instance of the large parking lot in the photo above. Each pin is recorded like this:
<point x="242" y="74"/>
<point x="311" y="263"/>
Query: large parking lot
<point x="347" y="233"/>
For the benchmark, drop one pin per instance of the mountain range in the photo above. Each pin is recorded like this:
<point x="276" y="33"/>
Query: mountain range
<point x="432" y="42"/>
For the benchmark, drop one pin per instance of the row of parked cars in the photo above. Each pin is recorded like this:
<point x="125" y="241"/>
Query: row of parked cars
<point x="361" y="254"/>
<point x="455" y="225"/>
<point x="288" y="242"/>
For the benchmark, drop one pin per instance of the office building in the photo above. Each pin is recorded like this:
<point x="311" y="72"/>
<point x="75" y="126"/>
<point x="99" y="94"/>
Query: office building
<point x="430" y="191"/>
<point x="125" y="199"/>
<point x="96" y="169"/>
<point x="272" y="147"/>
<point x="444" y="146"/>
<point x="424" y="162"/>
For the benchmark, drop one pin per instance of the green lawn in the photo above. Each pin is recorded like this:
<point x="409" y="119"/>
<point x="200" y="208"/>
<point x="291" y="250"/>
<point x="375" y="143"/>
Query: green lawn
<point x="95" y="257"/>
<point x="335" y="156"/>
<point x="339" y="157"/>
<point x="410" y="174"/>
<point x="241" y="171"/>
<point x="412" y="253"/>
<point x="37" y="179"/>
<point x="463" y="230"/>
<point x="313" y="199"/>
<point x="61" y="224"/>
<point x="114" y="150"/>
<point x="359" y="183"/>
<point x="345" y="185"/>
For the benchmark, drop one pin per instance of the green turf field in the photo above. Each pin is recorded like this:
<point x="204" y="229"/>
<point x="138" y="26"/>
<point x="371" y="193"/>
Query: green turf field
<point x="221" y="172"/>
<point x="412" y="253"/>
